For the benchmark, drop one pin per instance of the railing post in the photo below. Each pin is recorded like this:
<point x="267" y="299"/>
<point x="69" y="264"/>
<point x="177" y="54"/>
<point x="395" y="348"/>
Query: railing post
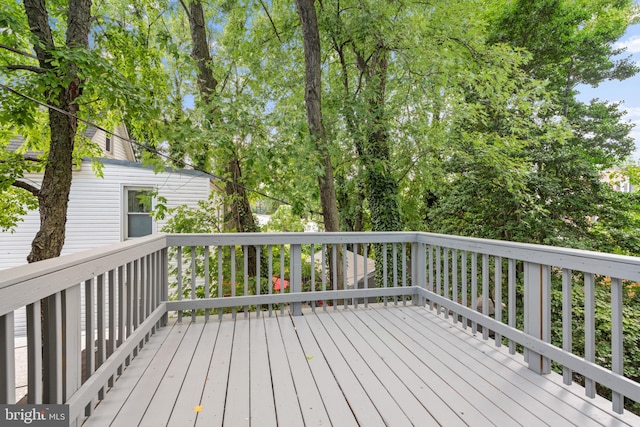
<point x="537" y="312"/>
<point x="53" y="350"/>
<point x="296" y="277"/>
<point x="72" y="341"/>
<point x="418" y="270"/>
<point x="7" y="360"/>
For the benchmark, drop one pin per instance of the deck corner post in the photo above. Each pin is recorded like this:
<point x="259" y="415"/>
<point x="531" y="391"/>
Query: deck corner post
<point x="537" y="312"/>
<point x="7" y="359"/>
<point x="418" y="272"/>
<point x="296" y="277"/>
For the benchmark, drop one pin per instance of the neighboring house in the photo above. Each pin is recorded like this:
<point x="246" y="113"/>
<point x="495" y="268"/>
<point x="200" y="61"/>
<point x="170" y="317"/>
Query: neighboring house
<point x="108" y="209"/>
<point x="618" y="180"/>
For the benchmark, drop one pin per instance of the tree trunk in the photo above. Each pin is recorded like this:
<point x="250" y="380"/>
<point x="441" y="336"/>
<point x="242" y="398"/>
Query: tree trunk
<point x="313" y="103"/>
<point x="241" y="215"/>
<point x="53" y="196"/>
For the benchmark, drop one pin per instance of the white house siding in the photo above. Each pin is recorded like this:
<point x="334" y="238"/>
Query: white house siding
<point x="95" y="215"/>
<point x="121" y="148"/>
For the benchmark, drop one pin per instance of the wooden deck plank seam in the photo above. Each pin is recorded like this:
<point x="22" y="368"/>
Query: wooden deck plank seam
<point x="377" y="391"/>
<point x="517" y="377"/>
<point x="498" y="378"/>
<point x="598" y="408"/>
<point x="470" y="386"/>
<point x="432" y="402"/>
<point x="486" y="385"/>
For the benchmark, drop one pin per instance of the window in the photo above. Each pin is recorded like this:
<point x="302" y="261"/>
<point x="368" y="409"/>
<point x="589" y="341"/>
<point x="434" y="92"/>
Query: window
<point x="138" y="211"/>
<point x="108" y="146"/>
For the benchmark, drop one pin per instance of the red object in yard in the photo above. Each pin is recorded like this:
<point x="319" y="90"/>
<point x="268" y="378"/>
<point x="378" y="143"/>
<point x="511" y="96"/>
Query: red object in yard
<point x="277" y="282"/>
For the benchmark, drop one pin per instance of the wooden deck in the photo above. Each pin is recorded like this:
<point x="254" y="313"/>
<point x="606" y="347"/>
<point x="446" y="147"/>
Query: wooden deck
<point x="395" y="365"/>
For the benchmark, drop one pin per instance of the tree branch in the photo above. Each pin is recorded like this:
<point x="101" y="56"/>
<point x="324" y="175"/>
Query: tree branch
<point x="275" y="30"/>
<point x="31" y="68"/>
<point x="186" y="9"/>
<point x="19" y="52"/>
<point x="30" y="188"/>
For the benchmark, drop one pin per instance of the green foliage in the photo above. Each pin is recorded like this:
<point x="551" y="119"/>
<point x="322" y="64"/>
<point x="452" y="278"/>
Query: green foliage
<point x="284" y="220"/>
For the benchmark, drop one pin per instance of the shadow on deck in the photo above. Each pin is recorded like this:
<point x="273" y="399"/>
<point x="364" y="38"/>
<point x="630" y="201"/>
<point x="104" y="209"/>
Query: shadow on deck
<point x="395" y="365"/>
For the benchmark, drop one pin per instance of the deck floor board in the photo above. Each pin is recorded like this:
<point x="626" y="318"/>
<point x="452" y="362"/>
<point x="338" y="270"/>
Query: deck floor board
<point x="396" y="365"/>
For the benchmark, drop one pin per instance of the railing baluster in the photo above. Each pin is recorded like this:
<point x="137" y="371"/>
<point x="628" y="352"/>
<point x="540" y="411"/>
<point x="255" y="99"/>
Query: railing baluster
<point x="404" y="270"/>
<point x="430" y="268"/>
<point x="220" y="280"/>
<point x="129" y="305"/>
<point x="193" y="280"/>
<point x="207" y="280"/>
<point x="245" y="276"/>
<point x="270" y="278"/>
<point x="438" y="275"/>
<point x="617" y="342"/>
<point x="136" y="299"/>
<point x="567" y="319"/>
<point x="121" y="310"/>
<point x="498" y="296"/>
<point x="179" y="278"/>
<point x="233" y="278"/>
<point x="465" y="287"/>
<point x="474" y="288"/>
<point x="445" y="288"/>
<point x="313" y="274"/>
<point x="53" y="350"/>
<point x="101" y="324"/>
<point x="72" y="340"/>
<point x="344" y="276"/>
<point x="546" y="314"/>
<point x="334" y="257"/>
<point x="296" y="277"/>
<point x="589" y="329"/>
<point x="354" y="301"/>
<point x="111" y="317"/>
<point x="148" y="294"/>
<point x="511" y="300"/>
<point x="258" y="284"/>
<point x="34" y="346"/>
<point x="366" y="273"/>
<point x="282" y="275"/>
<point x="164" y="261"/>
<point x="394" y="266"/>
<point x="323" y="259"/>
<point x="385" y="271"/>
<point x="485" y="293"/>
<point x="7" y="360"/>
<point x="454" y="280"/>
<point x="89" y="335"/>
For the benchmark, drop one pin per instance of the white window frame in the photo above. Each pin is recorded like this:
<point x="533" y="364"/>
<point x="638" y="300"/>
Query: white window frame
<point x="125" y="209"/>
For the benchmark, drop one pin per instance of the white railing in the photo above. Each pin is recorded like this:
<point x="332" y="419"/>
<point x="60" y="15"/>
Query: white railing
<point x="130" y="288"/>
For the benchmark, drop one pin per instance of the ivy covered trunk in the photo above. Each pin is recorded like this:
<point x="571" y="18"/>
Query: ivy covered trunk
<point x="53" y="196"/>
<point x="375" y="155"/>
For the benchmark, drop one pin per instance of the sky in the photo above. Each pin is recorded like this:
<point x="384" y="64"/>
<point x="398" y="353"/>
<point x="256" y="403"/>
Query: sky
<point x="626" y="91"/>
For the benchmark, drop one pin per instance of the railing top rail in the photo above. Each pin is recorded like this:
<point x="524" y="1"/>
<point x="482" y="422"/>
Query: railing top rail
<point x="289" y="238"/>
<point x="620" y="266"/>
<point x="26" y="284"/>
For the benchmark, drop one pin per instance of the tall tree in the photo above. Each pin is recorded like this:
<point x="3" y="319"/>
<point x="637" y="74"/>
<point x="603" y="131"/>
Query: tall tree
<point x="241" y="215"/>
<point x="313" y="103"/>
<point x="62" y="94"/>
